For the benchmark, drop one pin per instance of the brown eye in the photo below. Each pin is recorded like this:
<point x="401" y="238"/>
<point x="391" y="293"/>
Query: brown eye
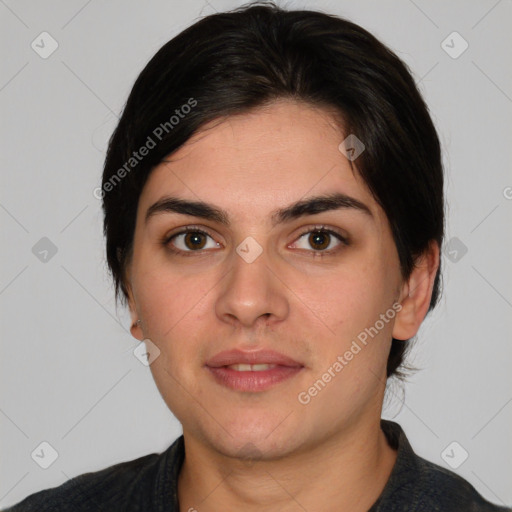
<point x="319" y="240"/>
<point x="191" y="240"/>
<point x="194" y="240"/>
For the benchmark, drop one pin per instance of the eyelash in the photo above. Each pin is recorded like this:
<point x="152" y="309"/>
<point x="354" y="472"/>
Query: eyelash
<point x="193" y="229"/>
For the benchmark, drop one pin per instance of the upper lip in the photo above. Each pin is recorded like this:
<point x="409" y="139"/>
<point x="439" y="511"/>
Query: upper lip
<point x="236" y="356"/>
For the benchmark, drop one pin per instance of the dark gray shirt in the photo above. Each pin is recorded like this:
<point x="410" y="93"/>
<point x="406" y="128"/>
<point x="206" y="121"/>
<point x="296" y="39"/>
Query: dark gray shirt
<point x="149" y="484"/>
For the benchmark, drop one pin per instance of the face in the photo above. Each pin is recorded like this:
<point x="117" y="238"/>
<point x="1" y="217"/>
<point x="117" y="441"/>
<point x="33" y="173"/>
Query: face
<point x="291" y="292"/>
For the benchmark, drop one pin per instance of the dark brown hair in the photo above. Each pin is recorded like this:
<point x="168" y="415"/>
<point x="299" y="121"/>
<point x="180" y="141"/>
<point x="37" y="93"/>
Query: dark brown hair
<point x="231" y="62"/>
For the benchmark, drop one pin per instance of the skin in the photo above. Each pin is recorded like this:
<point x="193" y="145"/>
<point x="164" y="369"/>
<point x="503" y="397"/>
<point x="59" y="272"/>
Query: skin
<point x="266" y="450"/>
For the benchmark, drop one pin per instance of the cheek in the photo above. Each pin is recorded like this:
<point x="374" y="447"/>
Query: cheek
<point x="168" y="300"/>
<point x="353" y="303"/>
<point x="354" y="297"/>
<point x="177" y="310"/>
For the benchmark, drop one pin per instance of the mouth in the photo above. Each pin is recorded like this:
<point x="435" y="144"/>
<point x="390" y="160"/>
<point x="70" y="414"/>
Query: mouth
<point x="251" y="367"/>
<point x="252" y="371"/>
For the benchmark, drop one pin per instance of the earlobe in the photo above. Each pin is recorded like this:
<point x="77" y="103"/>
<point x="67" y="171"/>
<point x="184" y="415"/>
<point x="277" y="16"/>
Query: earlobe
<point x="416" y="294"/>
<point x="135" y="328"/>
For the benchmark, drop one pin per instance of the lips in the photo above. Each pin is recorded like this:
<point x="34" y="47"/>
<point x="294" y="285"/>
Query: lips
<point x="252" y="371"/>
<point x="233" y="357"/>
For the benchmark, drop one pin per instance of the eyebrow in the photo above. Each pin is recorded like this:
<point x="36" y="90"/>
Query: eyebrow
<point x="301" y="208"/>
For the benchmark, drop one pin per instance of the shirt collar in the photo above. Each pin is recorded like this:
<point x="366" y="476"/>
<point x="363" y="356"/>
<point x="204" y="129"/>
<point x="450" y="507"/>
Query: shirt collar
<point x="406" y="464"/>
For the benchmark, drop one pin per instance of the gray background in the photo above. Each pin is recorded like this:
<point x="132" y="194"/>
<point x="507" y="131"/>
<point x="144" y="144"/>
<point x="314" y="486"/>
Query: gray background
<point x="68" y="374"/>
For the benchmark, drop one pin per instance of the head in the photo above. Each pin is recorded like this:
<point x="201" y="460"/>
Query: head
<point x="255" y="112"/>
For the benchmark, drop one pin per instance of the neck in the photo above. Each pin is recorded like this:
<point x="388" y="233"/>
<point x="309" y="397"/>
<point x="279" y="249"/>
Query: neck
<point x="348" y="471"/>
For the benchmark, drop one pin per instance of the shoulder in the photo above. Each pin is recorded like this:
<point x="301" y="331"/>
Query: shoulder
<point x="419" y="485"/>
<point x="134" y="482"/>
<point x="443" y="490"/>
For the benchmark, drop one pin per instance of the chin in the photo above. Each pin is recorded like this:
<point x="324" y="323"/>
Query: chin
<point x="251" y="448"/>
<point x="254" y="437"/>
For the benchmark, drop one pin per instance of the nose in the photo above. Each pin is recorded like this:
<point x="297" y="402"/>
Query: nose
<point x="252" y="292"/>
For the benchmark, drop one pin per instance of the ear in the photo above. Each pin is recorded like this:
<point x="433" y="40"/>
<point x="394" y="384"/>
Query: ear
<point x="135" y="327"/>
<point x="416" y="294"/>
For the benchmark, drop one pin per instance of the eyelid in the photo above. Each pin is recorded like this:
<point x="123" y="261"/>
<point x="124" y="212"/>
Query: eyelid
<point x="344" y="240"/>
<point x="327" y="229"/>
<point x="166" y="240"/>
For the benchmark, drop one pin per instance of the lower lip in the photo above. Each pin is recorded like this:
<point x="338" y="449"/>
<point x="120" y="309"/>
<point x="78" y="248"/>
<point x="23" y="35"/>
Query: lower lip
<point x="253" y="381"/>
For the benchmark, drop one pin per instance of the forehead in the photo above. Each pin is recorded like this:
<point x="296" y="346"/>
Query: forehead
<point x="254" y="162"/>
